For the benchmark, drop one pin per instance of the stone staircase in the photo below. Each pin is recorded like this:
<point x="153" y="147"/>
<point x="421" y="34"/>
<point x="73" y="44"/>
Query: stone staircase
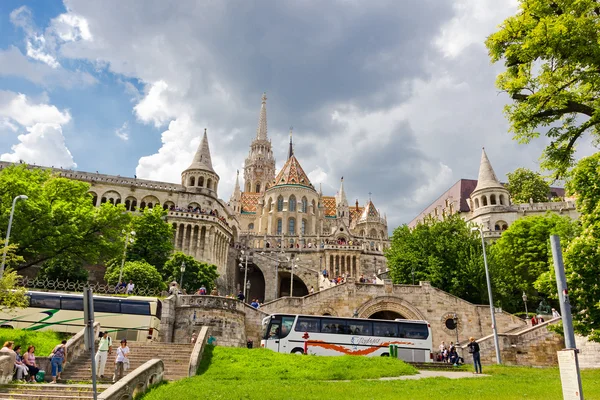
<point x="48" y="391"/>
<point x="175" y="356"/>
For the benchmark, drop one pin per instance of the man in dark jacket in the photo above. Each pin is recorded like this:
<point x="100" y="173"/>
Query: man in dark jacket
<point x="474" y="350"/>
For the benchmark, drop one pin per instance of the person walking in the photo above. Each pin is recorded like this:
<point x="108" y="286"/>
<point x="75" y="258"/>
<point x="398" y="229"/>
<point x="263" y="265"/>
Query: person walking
<point x="474" y="350"/>
<point x="121" y="361"/>
<point x="104" y="349"/>
<point x="58" y="357"/>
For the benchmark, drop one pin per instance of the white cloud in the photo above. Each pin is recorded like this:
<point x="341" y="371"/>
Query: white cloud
<point x="155" y="106"/>
<point x="123" y="132"/>
<point x="71" y="27"/>
<point x="36" y="46"/>
<point x="44" y="142"/>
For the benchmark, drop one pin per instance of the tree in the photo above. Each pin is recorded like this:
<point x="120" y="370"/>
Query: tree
<point x="446" y="253"/>
<point x="58" y="218"/>
<point x="582" y="255"/>
<point x="522" y="255"/>
<point x="551" y="51"/>
<point x="143" y="274"/>
<point x="153" y="240"/>
<point x="196" y="273"/>
<point x="64" y="268"/>
<point x="11" y="294"/>
<point x="524" y="184"/>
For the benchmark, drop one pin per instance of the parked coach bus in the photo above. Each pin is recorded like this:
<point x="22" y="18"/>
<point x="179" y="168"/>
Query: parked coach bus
<point x="133" y="318"/>
<point x="335" y="336"/>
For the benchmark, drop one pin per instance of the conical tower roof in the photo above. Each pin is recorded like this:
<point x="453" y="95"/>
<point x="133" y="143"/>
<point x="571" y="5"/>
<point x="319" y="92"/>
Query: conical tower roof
<point x="292" y="173"/>
<point x="487" y="177"/>
<point x="341" y="194"/>
<point x="369" y="211"/>
<point x="202" y="158"/>
<point x="261" y="130"/>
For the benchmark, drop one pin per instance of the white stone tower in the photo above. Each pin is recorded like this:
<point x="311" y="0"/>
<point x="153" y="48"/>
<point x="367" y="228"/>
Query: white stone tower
<point x="259" y="168"/>
<point x="489" y="192"/>
<point x="200" y="175"/>
<point x="343" y="210"/>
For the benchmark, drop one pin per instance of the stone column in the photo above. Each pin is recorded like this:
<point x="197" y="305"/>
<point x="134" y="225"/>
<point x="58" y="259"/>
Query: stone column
<point x="198" y="255"/>
<point x="176" y="236"/>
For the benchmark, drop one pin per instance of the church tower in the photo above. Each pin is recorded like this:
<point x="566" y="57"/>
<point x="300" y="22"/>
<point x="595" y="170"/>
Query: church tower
<point x="235" y="202"/>
<point x="489" y="192"/>
<point x="200" y="175"/>
<point x="259" y="168"/>
<point x="343" y="211"/>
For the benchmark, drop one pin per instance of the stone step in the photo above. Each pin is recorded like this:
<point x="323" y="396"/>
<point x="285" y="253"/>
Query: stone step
<point x="48" y="391"/>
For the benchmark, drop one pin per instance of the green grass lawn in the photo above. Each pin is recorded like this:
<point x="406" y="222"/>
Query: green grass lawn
<point x="233" y="373"/>
<point x="44" y="341"/>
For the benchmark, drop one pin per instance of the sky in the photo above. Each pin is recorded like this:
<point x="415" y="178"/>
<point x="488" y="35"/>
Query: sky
<point x="396" y="96"/>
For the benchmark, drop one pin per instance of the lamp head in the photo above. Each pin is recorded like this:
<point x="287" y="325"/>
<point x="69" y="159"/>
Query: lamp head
<point x="474" y="229"/>
<point x="22" y="197"/>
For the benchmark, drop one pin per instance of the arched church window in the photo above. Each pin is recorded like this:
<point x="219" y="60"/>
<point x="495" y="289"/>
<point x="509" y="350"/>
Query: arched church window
<point x="303" y="227"/>
<point x="484" y="201"/>
<point x="292" y="203"/>
<point x="103" y="200"/>
<point x="143" y="205"/>
<point x="201" y="181"/>
<point x="476" y="203"/>
<point x="279" y="226"/>
<point x="492" y="199"/>
<point x="280" y="203"/>
<point x="209" y="183"/>
<point x="501" y="199"/>
<point x="192" y="181"/>
<point x="292" y="226"/>
<point x="258" y="188"/>
<point x="304" y="204"/>
<point x="314" y="207"/>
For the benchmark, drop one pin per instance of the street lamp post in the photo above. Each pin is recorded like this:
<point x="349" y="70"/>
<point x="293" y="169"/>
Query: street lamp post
<point x="455" y="318"/>
<point x="292" y="261"/>
<point x="127" y="241"/>
<point x="489" y="288"/>
<point x="10" y="219"/>
<point x="525" y="301"/>
<point x="181" y="280"/>
<point x="245" y="273"/>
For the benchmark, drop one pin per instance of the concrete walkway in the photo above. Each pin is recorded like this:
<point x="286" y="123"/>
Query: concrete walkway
<point x="435" y="374"/>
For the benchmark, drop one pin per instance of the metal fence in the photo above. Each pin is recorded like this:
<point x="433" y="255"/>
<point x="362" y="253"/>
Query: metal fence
<point x="77" y="287"/>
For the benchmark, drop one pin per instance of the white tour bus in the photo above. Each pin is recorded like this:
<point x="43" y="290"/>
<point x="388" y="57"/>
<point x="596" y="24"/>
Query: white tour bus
<point x="133" y="318"/>
<point x="336" y="336"/>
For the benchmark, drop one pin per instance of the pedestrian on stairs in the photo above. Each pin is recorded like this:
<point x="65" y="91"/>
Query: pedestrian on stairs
<point x="58" y="358"/>
<point x="121" y="361"/>
<point x="104" y="349"/>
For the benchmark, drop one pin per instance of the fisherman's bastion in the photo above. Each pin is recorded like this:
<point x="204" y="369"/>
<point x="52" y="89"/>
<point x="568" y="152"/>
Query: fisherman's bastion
<point x="278" y="235"/>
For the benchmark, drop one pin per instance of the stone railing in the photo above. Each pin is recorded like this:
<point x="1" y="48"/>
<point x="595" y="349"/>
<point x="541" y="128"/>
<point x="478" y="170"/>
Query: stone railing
<point x="200" y="216"/>
<point x="7" y="366"/>
<point x="196" y="355"/>
<point x="136" y="382"/>
<point x="76" y="345"/>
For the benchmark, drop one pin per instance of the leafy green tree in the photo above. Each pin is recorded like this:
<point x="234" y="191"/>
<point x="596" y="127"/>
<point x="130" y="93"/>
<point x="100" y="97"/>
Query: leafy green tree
<point x="524" y="184"/>
<point x="58" y="218"/>
<point x="446" y="253"/>
<point x="196" y="273"/>
<point x="143" y="275"/>
<point x="522" y="255"/>
<point x="582" y="255"/>
<point x="551" y="51"/>
<point x="64" y="268"/>
<point x="153" y="241"/>
<point x="11" y="294"/>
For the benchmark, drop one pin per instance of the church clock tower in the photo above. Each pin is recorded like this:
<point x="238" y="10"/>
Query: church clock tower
<point x="259" y="168"/>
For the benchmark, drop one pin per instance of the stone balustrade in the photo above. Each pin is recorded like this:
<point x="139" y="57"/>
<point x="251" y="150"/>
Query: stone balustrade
<point x="200" y="216"/>
<point x="198" y="351"/>
<point x="136" y="382"/>
<point x="76" y="345"/>
<point x="7" y="367"/>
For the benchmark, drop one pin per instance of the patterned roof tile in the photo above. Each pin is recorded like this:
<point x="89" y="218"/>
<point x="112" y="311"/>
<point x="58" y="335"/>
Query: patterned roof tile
<point x="250" y="201"/>
<point x="329" y="205"/>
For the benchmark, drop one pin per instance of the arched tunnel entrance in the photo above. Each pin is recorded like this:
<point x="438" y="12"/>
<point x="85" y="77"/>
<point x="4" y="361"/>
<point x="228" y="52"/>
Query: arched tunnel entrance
<point x="387" y="314"/>
<point x="255" y="283"/>
<point x="299" y="288"/>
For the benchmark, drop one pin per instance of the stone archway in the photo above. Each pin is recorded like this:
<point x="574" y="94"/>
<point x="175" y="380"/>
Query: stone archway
<point x="391" y="304"/>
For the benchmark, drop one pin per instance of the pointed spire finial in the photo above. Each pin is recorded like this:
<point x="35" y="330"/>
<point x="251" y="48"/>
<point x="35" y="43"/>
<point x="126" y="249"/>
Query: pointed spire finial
<point x="261" y="131"/>
<point x="291" y="152"/>
<point x="202" y="159"/>
<point x="487" y="177"/>
<point x="370" y="196"/>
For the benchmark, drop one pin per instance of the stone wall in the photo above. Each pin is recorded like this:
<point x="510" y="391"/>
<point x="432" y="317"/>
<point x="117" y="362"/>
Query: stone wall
<point x="589" y="352"/>
<point x="224" y="317"/>
<point x="253" y="323"/>
<point x="536" y="346"/>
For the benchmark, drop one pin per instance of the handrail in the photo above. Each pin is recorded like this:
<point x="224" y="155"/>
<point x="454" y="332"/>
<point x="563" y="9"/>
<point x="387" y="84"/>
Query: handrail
<point x="136" y="382"/>
<point x="198" y="350"/>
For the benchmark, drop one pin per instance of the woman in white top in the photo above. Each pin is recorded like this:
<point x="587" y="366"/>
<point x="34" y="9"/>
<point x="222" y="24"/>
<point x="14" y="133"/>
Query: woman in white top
<point x="121" y="361"/>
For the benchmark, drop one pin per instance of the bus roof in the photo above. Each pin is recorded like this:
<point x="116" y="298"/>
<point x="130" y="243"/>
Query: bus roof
<point x="411" y="321"/>
<point x="105" y="297"/>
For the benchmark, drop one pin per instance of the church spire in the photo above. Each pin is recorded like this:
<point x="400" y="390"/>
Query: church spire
<point x="261" y="131"/>
<point x="237" y="189"/>
<point x="291" y="152"/>
<point x="487" y="177"/>
<point x="202" y="158"/>
<point x="342" y="193"/>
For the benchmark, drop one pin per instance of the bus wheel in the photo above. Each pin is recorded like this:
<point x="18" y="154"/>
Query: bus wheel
<point x="298" y="351"/>
<point x="385" y="355"/>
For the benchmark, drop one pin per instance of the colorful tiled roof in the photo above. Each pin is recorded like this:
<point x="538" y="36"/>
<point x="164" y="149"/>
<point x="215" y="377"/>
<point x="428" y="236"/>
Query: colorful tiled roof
<point x="355" y="213"/>
<point x="369" y="211"/>
<point x="250" y="201"/>
<point x="292" y="174"/>
<point x="329" y="205"/>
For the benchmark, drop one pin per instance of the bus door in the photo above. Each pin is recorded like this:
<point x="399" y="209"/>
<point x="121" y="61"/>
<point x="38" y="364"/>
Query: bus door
<point x="287" y="323"/>
<point x="273" y="333"/>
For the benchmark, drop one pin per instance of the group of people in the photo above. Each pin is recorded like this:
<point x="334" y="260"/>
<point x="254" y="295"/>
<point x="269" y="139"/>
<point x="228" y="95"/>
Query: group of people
<point x="448" y="354"/>
<point x="121" y="360"/>
<point x="126" y="288"/>
<point x="203" y="291"/>
<point x="26" y="368"/>
<point x="198" y="210"/>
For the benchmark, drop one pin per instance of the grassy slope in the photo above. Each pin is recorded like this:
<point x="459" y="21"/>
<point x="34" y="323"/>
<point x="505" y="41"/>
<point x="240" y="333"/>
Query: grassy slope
<point x="258" y="374"/>
<point x="44" y="341"/>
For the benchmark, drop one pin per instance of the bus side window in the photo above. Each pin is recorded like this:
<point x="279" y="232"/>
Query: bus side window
<point x="275" y="329"/>
<point x="71" y="303"/>
<point x="286" y="325"/>
<point x="44" y="301"/>
<point x="386" y="329"/>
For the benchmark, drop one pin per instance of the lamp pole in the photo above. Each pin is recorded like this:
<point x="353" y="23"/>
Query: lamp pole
<point x="245" y="277"/>
<point x="181" y="280"/>
<point x="489" y="288"/>
<point x="10" y="220"/>
<point x="124" y="255"/>
<point x="525" y="301"/>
